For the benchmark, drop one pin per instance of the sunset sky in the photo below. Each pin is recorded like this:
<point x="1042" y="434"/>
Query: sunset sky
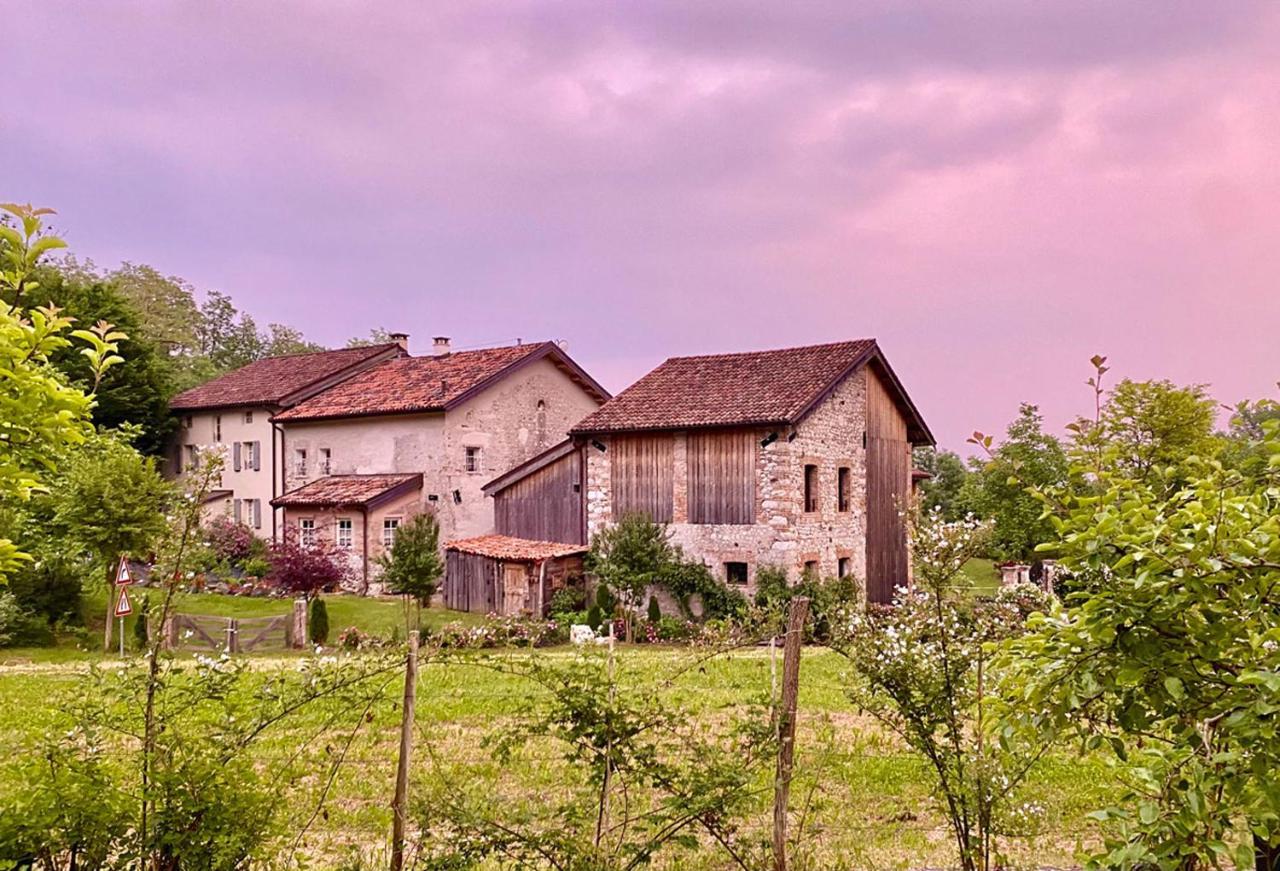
<point x="996" y="191"/>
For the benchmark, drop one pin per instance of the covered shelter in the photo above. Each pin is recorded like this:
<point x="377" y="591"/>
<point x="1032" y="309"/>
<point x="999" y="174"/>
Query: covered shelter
<point x="501" y="574"/>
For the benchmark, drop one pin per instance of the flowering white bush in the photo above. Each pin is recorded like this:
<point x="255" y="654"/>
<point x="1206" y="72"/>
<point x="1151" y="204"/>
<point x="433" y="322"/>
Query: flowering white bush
<point x="920" y="666"/>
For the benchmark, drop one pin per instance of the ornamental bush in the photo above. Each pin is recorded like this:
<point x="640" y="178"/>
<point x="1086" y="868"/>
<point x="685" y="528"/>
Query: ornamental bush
<point x="318" y="622"/>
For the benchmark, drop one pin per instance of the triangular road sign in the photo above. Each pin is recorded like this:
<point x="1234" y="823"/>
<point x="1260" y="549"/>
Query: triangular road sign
<point x="123" y="606"/>
<point x="122" y="573"/>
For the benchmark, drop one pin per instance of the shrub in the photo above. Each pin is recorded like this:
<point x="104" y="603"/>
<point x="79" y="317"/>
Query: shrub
<point x="19" y="626"/>
<point x="655" y="610"/>
<point x="318" y="622"/>
<point x="233" y="542"/>
<point x="309" y="570"/>
<point x="49" y="588"/>
<point x="569" y="600"/>
<point x="140" y="629"/>
<point x="256" y="567"/>
<point x="595" y="616"/>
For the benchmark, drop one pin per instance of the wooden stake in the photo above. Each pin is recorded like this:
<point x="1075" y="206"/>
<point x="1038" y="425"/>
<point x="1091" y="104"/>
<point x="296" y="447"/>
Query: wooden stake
<point x="797" y="612"/>
<point x="399" y="805"/>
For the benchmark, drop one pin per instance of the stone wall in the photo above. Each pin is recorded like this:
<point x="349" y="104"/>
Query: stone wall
<point x="783" y="535"/>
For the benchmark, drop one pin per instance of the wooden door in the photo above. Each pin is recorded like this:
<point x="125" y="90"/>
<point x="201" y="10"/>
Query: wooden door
<point x="515" y="588"/>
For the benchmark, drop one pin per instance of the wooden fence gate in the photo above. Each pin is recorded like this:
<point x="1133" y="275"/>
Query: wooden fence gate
<point x="237" y="634"/>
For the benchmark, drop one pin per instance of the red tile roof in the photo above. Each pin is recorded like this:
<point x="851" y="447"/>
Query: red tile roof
<point x="418" y="384"/>
<point x="273" y="380"/>
<point x="758" y="387"/>
<point x="508" y="548"/>
<point x="338" y="490"/>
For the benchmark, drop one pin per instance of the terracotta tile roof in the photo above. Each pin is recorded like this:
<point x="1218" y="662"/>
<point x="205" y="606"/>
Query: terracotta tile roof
<point x="416" y="384"/>
<point x="757" y="387"/>
<point x="272" y="380"/>
<point x="337" y="490"/>
<point x="506" y="547"/>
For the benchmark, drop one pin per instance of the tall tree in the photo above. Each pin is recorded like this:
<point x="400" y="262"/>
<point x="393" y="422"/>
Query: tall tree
<point x="1241" y="443"/>
<point x="945" y="491"/>
<point x="109" y="501"/>
<point x="40" y="412"/>
<point x="1032" y="457"/>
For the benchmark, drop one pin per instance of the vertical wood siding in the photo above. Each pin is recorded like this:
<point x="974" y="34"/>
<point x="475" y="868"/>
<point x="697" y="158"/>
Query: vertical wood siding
<point x="545" y="506"/>
<point x="722" y="476"/>
<point x="888" y="487"/>
<point x="471" y="582"/>
<point x="641" y="468"/>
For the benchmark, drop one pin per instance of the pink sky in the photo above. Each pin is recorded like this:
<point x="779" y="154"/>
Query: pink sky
<point x="996" y="191"/>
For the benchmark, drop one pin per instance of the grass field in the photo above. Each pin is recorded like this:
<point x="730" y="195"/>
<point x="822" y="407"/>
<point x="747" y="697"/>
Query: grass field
<point x="866" y="797"/>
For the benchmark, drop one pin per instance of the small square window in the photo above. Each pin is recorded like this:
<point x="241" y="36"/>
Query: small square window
<point x="471" y="460"/>
<point x="735" y="573"/>
<point x="344" y="533"/>
<point x="248" y="417"/>
<point x="389" y="528"/>
<point x="811" y="569"/>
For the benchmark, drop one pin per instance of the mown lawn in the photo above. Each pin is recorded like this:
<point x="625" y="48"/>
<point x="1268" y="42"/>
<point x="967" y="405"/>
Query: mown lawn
<point x="866" y="798"/>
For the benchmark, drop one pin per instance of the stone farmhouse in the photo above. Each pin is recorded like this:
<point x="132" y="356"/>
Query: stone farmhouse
<point x="415" y="433"/>
<point x="798" y="458"/>
<point x="234" y="411"/>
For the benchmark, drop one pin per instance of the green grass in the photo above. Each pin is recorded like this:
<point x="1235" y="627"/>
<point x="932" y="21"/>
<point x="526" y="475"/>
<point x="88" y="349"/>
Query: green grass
<point x="868" y="797"/>
<point x="982" y="576"/>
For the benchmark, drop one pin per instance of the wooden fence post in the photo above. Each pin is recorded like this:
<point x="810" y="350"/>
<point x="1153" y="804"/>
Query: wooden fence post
<point x="298" y="627"/>
<point x="797" y="612"/>
<point x="400" y="805"/>
<point x="169" y="633"/>
<point x="233" y="635"/>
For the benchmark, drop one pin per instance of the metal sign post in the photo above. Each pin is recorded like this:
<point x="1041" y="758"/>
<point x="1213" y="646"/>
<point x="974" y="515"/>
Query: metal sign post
<point x="123" y="606"/>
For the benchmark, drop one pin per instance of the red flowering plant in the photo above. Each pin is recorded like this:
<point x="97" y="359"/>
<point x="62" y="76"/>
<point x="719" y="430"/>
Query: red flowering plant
<point x="308" y="570"/>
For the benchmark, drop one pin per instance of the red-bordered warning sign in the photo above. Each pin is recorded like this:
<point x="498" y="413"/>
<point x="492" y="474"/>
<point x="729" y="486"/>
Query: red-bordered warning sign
<point x="122" y="573"/>
<point x="123" y="606"/>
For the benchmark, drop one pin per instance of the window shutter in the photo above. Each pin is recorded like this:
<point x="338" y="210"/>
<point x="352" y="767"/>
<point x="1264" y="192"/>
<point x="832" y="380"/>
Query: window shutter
<point x="235" y="451"/>
<point x="257" y="513"/>
<point x="238" y="510"/>
<point x="257" y="456"/>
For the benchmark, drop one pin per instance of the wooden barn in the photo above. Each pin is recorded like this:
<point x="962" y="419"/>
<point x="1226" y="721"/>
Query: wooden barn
<point x="797" y="459"/>
<point x="500" y="574"/>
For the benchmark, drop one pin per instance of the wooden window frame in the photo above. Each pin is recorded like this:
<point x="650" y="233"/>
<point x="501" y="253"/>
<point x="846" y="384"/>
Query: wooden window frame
<point x="812" y="489"/>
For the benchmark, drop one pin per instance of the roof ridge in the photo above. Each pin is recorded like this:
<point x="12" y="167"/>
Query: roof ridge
<point x="791" y="348"/>
<point x="381" y="346"/>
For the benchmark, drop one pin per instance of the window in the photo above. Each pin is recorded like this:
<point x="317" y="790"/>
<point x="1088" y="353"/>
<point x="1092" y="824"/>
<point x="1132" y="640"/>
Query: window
<point x="389" y="527"/>
<point x="192" y="459"/>
<point x="307" y="531"/>
<point x="326" y="456"/>
<point x="343" y="533"/>
<point x="248" y="417"/>
<point x="735" y="573"/>
<point x="188" y="421"/>
<point x="471" y="462"/>
<point x="844" y="567"/>
<point x="300" y="462"/>
<point x="810" y="488"/>
<point x="811" y="569"/>
<point x="842" y="488"/>
<point x="217" y="427"/>
<point x="252" y="453"/>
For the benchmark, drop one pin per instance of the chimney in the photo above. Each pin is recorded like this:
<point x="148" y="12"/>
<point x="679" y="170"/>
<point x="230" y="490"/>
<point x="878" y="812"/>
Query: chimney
<point x="440" y="345"/>
<point x="401" y="339"/>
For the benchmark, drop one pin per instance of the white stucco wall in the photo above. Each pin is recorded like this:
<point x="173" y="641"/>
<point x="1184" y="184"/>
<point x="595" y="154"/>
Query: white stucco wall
<point x="202" y="432"/>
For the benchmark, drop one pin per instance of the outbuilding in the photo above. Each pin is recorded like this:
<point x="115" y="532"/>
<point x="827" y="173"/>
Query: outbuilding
<point x="500" y="574"/>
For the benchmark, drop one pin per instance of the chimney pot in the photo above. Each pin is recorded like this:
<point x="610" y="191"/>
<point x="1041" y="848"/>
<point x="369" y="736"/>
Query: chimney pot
<point x="440" y="345"/>
<point x="401" y="339"/>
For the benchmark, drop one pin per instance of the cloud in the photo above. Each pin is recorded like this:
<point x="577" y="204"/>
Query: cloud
<point x="998" y="190"/>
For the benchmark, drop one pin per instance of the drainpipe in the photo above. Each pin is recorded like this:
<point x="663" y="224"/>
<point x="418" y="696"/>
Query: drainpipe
<point x="542" y="580"/>
<point x="365" y="589"/>
<point x="276" y="464"/>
